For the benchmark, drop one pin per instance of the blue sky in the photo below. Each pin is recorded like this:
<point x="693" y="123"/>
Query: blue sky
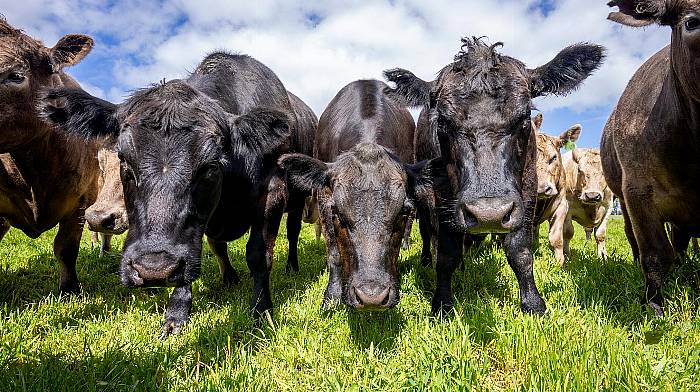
<point x="317" y="46"/>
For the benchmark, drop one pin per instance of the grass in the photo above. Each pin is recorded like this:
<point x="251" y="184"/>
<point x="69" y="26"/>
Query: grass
<point x="594" y="337"/>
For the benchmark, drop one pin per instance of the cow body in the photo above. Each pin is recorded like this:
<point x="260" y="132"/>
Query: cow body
<point x="552" y="201"/>
<point x="197" y="156"/>
<point x="485" y="180"/>
<point x="33" y="155"/>
<point x="649" y="145"/>
<point x="589" y="197"/>
<point x="364" y="192"/>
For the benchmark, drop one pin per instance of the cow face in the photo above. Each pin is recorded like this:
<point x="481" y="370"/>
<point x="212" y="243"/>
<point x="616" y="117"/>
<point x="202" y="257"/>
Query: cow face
<point x="108" y="214"/>
<point x="591" y="187"/>
<point x="26" y="66"/>
<point x="550" y="169"/>
<point x="365" y="198"/>
<point x="173" y="144"/>
<point x="480" y="110"/>
<point x="683" y="16"/>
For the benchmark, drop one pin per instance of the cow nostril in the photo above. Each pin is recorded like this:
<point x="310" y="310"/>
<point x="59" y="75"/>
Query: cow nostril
<point x="109" y="222"/>
<point x="508" y="216"/>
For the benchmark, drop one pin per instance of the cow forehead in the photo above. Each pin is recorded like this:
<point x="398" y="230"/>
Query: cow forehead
<point x="22" y="51"/>
<point x="546" y="143"/>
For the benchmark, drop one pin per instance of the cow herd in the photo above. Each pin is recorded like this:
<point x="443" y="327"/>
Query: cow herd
<point x="228" y="150"/>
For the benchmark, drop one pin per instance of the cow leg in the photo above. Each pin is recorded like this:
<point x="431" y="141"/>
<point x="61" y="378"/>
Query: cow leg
<point x="317" y="227"/>
<point x="4" y="227"/>
<point x="65" y="247"/>
<point x="334" y="291"/>
<point x="600" y="233"/>
<point x="178" y="311"/>
<point x="556" y="232"/>
<point x="629" y="233"/>
<point x="449" y="255"/>
<point x="568" y="234"/>
<point x="260" y="249"/>
<point x="407" y="233"/>
<point x="220" y="250"/>
<point x="105" y="243"/>
<point x="655" y="251"/>
<point x="296" y="210"/>
<point x="680" y="240"/>
<point x="519" y="254"/>
<point x="426" y="257"/>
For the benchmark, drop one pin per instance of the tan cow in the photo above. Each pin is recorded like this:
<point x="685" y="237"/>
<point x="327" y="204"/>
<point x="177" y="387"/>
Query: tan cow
<point x="552" y="204"/>
<point x="589" y="197"/>
<point x="46" y="179"/>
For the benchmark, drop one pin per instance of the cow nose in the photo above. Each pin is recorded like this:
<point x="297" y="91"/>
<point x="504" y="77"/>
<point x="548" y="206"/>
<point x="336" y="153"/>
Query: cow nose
<point x="593" y="197"/>
<point x="372" y="295"/>
<point x="154" y="267"/>
<point x="108" y="222"/>
<point x="550" y="191"/>
<point x="490" y="215"/>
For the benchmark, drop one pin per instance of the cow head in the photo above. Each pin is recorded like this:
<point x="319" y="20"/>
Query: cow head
<point x="591" y="187"/>
<point x="683" y="16"/>
<point x="365" y="198"/>
<point x="174" y="144"/>
<point x="550" y="169"/>
<point x="480" y="110"/>
<point x="108" y="213"/>
<point x="26" y="66"/>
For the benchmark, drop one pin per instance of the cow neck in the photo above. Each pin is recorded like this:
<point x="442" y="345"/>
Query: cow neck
<point x="684" y="89"/>
<point x="47" y="162"/>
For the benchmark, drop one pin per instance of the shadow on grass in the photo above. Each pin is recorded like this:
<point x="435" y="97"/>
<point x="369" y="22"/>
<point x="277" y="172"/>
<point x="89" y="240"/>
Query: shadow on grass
<point x="377" y="329"/>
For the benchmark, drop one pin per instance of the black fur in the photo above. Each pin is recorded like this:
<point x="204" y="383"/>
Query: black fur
<point x="567" y="70"/>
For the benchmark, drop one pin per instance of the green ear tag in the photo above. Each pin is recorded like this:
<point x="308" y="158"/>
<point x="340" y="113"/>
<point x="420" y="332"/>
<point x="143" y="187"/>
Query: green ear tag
<point x="569" y="146"/>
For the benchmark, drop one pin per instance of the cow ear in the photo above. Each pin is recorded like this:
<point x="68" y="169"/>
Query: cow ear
<point x="70" y="50"/>
<point x="639" y="13"/>
<point x="419" y="178"/>
<point x="304" y="172"/>
<point x="259" y="132"/>
<point x="78" y="113"/>
<point x="410" y="90"/>
<point x="567" y="70"/>
<point x="538" y="121"/>
<point x="571" y="135"/>
<point x="576" y="155"/>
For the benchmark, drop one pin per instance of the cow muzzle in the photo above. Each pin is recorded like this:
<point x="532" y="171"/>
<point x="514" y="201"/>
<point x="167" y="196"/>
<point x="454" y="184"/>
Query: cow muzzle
<point x="490" y="215"/>
<point x="108" y="222"/>
<point x="591" y="197"/>
<point x="157" y="269"/>
<point x="547" y="191"/>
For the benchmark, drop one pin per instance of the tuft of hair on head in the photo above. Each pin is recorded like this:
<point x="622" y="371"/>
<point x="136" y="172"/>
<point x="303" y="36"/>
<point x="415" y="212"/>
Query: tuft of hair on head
<point x="475" y="52"/>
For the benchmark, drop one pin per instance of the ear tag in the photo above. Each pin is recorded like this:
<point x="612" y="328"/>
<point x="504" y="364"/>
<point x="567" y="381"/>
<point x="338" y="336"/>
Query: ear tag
<point x="569" y="146"/>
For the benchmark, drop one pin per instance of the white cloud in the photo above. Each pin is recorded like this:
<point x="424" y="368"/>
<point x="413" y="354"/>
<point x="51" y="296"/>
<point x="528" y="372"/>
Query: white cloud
<point x="354" y="39"/>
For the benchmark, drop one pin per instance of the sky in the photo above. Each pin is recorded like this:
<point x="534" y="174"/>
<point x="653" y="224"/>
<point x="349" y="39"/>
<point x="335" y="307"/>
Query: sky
<point x="318" y="46"/>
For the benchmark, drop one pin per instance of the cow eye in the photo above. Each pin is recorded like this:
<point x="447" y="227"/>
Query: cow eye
<point x="692" y="24"/>
<point x="15" y="78"/>
<point x="552" y="159"/>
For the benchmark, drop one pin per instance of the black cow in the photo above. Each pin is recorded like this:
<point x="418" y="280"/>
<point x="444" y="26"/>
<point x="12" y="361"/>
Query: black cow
<point x="486" y="179"/>
<point x="365" y="195"/>
<point x="198" y="156"/>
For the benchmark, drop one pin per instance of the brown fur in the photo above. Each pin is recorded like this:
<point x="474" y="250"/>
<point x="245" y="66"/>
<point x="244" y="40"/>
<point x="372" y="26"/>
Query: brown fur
<point x="585" y="175"/>
<point x="45" y="178"/>
<point x="552" y="204"/>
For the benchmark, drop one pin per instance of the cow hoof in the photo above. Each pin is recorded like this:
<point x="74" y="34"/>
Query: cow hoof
<point x="535" y="306"/>
<point x="657" y="309"/>
<point x="172" y="327"/>
<point x="69" y="287"/>
<point x="291" y="267"/>
<point x="442" y="308"/>
<point x="426" y="260"/>
<point x="231" y="278"/>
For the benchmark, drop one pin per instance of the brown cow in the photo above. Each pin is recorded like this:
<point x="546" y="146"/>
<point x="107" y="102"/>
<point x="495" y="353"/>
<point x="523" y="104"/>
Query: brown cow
<point x="45" y="178"/>
<point x="649" y="146"/>
<point x="589" y="197"/>
<point x="552" y="204"/>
